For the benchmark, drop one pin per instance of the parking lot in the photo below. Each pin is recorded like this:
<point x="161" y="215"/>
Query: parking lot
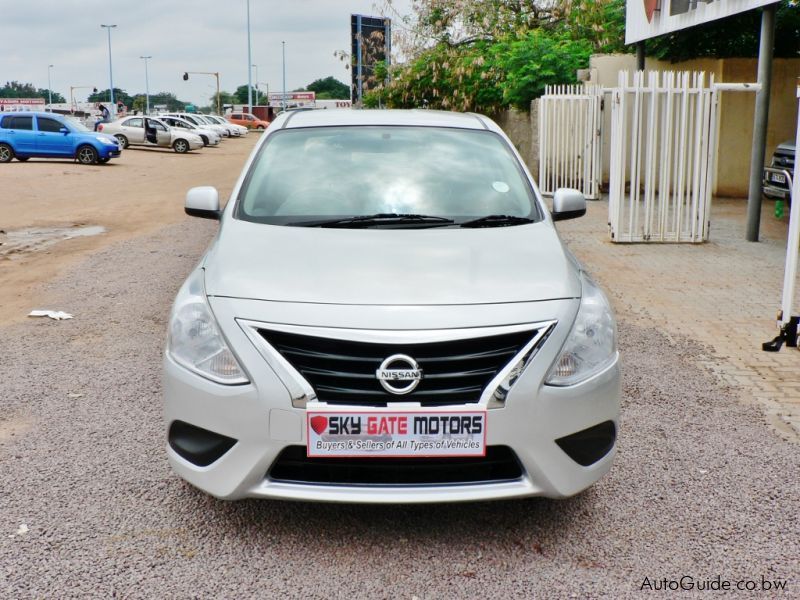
<point x="705" y="484"/>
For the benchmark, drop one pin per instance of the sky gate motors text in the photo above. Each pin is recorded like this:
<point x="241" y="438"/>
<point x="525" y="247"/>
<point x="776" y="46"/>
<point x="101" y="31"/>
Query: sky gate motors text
<point x="405" y="424"/>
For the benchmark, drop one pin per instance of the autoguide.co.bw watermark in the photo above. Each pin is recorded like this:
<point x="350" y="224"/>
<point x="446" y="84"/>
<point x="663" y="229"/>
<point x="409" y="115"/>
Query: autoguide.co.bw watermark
<point x="689" y="583"/>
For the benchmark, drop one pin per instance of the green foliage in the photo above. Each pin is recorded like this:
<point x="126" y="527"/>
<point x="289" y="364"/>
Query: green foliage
<point x="119" y="96"/>
<point x="15" y="89"/>
<point x="535" y="61"/>
<point x="240" y="95"/>
<point x="601" y="23"/>
<point x="485" y="76"/>
<point x="329" y="88"/>
<point x="225" y="98"/>
<point x="167" y="98"/>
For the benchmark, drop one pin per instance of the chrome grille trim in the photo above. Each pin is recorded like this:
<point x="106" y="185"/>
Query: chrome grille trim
<point x="302" y="392"/>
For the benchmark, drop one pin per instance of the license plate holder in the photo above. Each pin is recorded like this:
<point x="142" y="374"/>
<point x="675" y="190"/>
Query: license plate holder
<point x="777" y="177"/>
<point x="401" y="434"/>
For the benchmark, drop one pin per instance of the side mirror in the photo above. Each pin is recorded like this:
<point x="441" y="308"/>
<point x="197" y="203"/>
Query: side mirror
<point x="203" y="202"/>
<point x="568" y="204"/>
<point x="63" y="130"/>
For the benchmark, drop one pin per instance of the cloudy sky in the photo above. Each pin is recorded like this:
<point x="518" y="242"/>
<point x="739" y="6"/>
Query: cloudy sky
<point x="180" y="35"/>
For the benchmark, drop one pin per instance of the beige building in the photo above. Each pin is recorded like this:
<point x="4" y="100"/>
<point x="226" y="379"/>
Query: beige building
<point x="735" y="110"/>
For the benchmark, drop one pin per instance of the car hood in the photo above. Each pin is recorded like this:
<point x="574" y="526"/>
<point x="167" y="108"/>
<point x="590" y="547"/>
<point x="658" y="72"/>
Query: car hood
<point x="437" y="266"/>
<point x="786" y="147"/>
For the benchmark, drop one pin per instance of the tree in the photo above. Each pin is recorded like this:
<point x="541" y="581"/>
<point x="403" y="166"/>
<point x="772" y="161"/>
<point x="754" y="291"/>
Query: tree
<point x="105" y="96"/>
<point x="329" y="88"/>
<point x="225" y="98"/>
<point x="15" y="89"/>
<point x="240" y="95"/>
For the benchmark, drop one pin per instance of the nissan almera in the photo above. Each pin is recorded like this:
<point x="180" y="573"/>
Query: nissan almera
<point x="388" y="314"/>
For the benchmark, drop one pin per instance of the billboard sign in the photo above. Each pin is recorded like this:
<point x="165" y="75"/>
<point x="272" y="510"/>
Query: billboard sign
<point x="371" y="40"/>
<point x="293" y="99"/>
<point x="15" y="104"/>
<point x="650" y="18"/>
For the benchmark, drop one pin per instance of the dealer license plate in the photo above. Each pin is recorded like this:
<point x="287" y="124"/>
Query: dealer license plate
<point x="400" y="434"/>
<point x="777" y="177"/>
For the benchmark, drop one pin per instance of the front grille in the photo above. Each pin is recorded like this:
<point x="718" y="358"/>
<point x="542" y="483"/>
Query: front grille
<point x="293" y="466"/>
<point x="343" y="372"/>
<point x="783" y="160"/>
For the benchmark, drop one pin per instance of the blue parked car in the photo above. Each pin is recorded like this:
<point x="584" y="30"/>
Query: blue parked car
<point x="24" y="135"/>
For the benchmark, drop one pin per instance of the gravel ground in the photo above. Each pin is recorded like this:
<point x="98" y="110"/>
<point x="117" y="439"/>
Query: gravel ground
<point x="701" y="486"/>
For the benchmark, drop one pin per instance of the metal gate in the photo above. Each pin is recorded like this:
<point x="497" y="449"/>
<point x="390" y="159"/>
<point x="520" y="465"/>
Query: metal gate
<point x="570" y="123"/>
<point x="663" y="153"/>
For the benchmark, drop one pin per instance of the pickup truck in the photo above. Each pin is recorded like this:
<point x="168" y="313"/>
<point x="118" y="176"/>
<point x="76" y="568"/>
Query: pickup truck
<point x="778" y="176"/>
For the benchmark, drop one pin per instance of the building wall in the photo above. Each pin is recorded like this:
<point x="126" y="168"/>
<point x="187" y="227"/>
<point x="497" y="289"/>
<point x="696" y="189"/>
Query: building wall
<point x="522" y="128"/>
<point x="735" y="111"/>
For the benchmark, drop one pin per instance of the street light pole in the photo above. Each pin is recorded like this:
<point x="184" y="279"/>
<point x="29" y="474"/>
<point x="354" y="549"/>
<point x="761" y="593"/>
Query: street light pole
<point x="256" y="68"/>
<point x="283" y="51"/>
<point x="113" y="108"/>
<point x="249" y="65"/>
<point x="49" y="89"/>
<point x="146" y="85"/>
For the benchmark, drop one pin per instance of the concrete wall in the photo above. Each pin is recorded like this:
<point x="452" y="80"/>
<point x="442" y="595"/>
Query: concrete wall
<point x="735" y="111"/>
<point x="523" y="130"/>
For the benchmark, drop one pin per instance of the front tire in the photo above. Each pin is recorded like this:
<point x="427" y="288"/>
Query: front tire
<point x="205" y="139"/>
<point x="181" y="146"/>
<point x="123" y="141"/>
<point x="87" y="155"/>
<point x="6" y="153"/>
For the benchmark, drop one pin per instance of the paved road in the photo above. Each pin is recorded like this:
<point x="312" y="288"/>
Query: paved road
<point x="701" y="487"/>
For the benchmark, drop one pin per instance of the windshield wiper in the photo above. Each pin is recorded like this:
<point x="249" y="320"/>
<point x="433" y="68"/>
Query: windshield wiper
<point x="378" y="220"/>
<point x="497" y="221"/>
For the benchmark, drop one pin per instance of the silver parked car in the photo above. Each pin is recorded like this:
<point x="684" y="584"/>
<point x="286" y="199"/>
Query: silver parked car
<point x="389" y="315"/>
<point x="150" y="131"/>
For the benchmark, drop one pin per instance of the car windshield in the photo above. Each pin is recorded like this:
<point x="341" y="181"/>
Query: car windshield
<point x="75" y="124"/>
<point x="308" y="175"/>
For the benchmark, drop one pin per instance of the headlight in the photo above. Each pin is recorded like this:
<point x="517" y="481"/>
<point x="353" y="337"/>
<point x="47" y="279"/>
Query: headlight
<point x="108" y="141"/>
<point x="592" y="343"/>
<point x="195" y="341"/>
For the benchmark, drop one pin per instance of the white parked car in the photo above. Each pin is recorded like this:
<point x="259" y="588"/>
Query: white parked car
<point x="209" y="136"/>
<point x="150" y="131"/>
<point x="200" y="122"/>
<point x="234" y="129"/>
<point x="388" y="314"/>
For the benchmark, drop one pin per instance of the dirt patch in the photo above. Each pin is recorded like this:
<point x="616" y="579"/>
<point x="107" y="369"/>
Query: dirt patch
<point x="143" y="191"/>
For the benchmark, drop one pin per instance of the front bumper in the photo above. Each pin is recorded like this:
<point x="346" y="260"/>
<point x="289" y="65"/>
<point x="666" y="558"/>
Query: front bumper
<point x="776" y="190"/>
<point x="261" y="419"/>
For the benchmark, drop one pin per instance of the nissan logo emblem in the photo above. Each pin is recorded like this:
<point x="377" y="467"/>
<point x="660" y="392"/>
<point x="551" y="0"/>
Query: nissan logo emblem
<point x="399" y="374"/>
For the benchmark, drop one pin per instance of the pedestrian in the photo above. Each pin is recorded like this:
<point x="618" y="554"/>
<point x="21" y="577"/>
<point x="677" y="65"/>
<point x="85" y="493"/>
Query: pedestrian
<point x="105" y="116"/>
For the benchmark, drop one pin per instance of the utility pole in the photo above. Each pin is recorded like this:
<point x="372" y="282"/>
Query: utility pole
<point x="146" y="85"/>
<point x="760" y="121"/>
<point x="49" y="89"/>
<point x="113" y="107"/>
<point x="283" y="50"/>
<point x="249" y="66"/>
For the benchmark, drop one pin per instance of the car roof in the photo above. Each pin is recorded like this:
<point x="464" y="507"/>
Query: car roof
<point x="30" y="113"/>
<point x="414" y="117"/>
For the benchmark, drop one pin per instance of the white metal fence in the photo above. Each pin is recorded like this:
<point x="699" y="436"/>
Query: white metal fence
<point x="663" y="153"/>
<point x="570" y="123"/>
